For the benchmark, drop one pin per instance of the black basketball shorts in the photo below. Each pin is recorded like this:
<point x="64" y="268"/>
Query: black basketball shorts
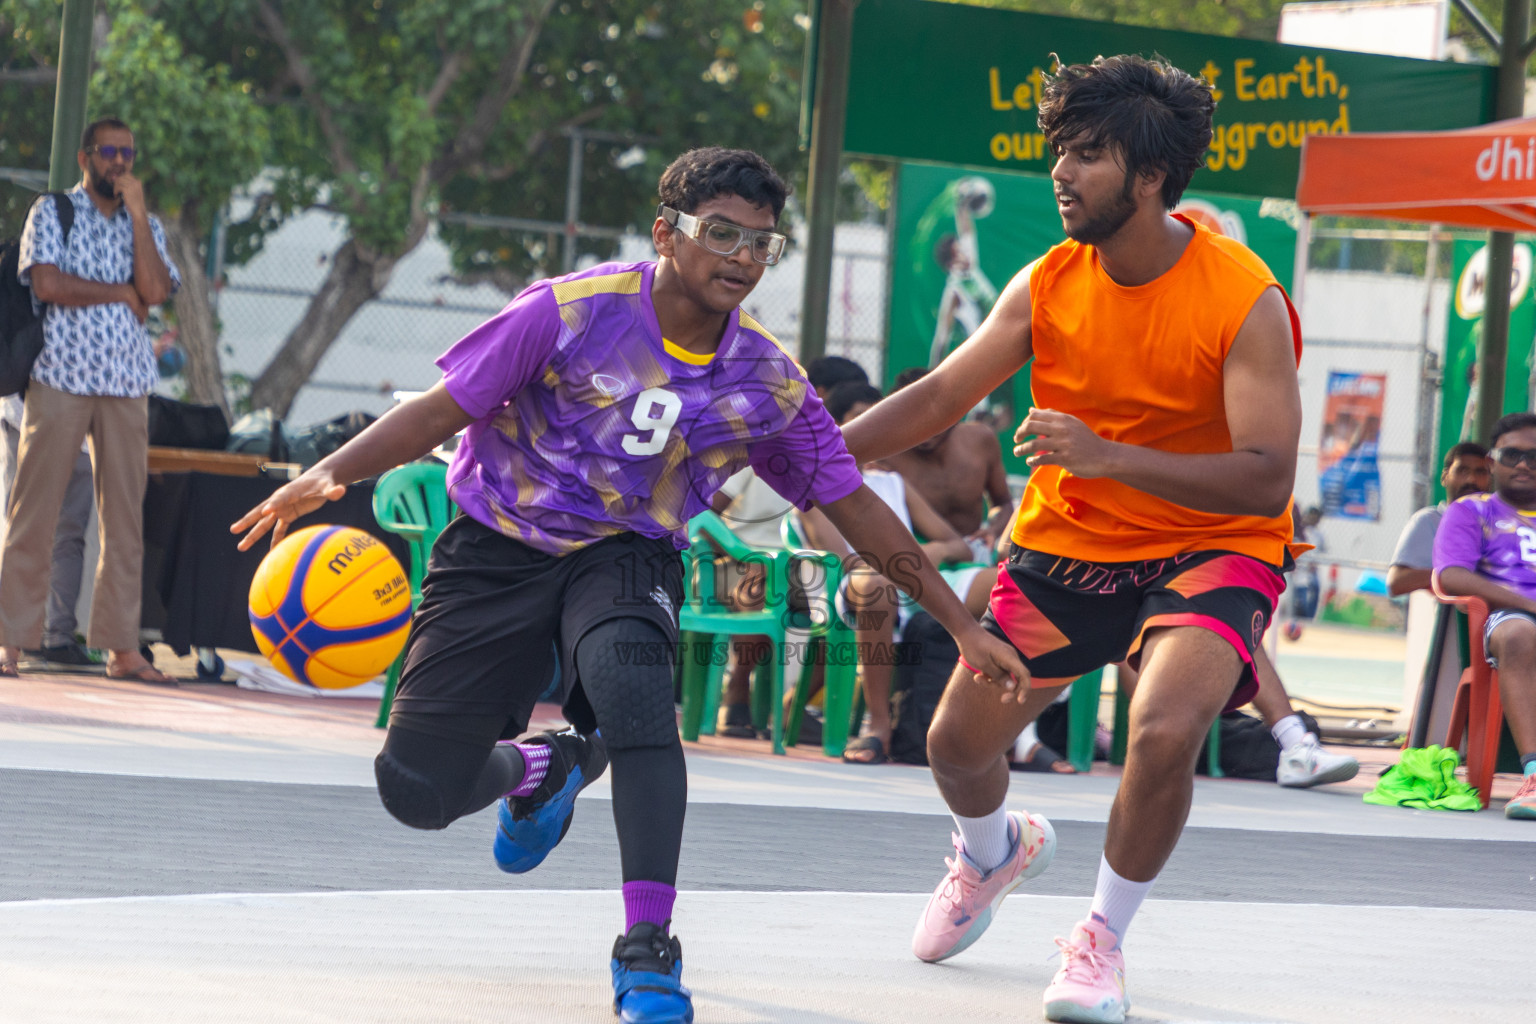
<point x="495" y="615"/>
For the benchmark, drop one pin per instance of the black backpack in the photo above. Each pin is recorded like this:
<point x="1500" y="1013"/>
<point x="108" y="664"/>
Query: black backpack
<point x="21" y="329"/>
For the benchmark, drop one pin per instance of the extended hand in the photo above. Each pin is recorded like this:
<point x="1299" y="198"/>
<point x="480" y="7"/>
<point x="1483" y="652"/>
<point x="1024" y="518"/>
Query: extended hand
<point x="993" y="662"/>
<point x="286" y="504"/>
<point x="1049" y="438"/>
<point x="131" y="191"/>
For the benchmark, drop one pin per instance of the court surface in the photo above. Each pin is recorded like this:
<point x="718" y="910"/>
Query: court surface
<point x="209" y="855"/>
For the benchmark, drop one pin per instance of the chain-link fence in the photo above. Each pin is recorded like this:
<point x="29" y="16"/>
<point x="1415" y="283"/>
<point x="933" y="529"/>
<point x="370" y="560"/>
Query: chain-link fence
<point x="390" y="344"/>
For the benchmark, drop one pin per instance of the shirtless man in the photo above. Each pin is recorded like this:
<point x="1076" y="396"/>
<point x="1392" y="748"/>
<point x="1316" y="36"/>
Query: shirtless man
<point x="959" y="471"/>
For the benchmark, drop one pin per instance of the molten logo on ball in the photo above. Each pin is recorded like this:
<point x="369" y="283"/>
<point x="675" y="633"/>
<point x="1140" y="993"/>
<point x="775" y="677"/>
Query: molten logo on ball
<point x="330" y="606"/>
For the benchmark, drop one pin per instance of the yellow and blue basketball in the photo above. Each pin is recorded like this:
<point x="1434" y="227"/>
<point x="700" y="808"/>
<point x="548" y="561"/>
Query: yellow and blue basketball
<point x="330" y="606"/>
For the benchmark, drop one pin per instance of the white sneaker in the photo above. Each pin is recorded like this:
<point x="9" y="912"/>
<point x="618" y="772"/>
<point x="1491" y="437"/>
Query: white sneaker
<point x="1308" y="764"/>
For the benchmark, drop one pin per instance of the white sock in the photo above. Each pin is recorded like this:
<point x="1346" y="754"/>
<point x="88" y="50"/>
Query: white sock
<point x="986" y="838"/>
<point x="1116" y="899"/>
<point x="1289" y="731"/>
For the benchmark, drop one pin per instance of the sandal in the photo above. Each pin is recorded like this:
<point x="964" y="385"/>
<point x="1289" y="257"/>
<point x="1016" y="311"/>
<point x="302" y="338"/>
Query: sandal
<point x="144" y="674"/>
<point x="865" y="745"/>
<point x="9" y="670"/>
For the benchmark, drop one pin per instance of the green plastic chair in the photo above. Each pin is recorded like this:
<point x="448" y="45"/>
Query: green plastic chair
<point x="833" y="643"/>
<point x="707" y="625"/>
<point x="1083" y="721"/>
<point x="412" y="501"/>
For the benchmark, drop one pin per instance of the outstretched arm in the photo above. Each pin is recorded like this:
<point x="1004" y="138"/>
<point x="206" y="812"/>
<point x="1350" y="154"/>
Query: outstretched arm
<point x="1263" y="407"/>
<point x="875" y="532"/>
<point x="403" y="434"/>
<point x="1000" y="346"/>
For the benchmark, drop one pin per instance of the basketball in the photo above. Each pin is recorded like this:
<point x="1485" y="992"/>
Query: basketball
<point x="330" y="606"/>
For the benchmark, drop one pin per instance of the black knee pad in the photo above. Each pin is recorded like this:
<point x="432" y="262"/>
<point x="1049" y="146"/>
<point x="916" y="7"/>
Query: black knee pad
<point x="413" y="798"/>
<point x="630" y="697"/>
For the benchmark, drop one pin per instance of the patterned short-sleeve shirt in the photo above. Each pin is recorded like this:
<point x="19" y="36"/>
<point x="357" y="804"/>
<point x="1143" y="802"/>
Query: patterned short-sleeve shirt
<point x="101" y="349"/>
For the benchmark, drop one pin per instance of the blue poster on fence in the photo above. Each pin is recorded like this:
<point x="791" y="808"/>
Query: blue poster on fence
<point x="1347" y="472"/>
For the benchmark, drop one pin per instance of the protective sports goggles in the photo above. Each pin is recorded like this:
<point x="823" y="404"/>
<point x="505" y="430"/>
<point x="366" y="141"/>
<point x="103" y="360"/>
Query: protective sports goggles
<point x="724" y="239"/>
<point x="1512" y="457"/>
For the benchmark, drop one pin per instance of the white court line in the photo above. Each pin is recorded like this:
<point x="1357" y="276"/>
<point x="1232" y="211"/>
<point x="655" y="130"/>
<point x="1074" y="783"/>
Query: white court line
<point x="344" y="894"/>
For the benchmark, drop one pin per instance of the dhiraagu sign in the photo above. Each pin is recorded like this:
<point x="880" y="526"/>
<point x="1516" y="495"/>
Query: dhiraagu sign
<point x="954" y="84"/>
<point x="1463" y="335"/>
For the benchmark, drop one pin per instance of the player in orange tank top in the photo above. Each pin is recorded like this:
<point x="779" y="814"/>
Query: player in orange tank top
<point x="1155" y="525"/>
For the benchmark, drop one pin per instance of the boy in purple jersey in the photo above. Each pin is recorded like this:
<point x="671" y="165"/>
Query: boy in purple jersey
<point x="1486" y="548"/>
<point x="603" y="410"/>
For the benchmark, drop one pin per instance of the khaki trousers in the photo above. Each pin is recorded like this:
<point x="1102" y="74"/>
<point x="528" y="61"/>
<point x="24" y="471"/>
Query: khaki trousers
<point x="51" y="431"/>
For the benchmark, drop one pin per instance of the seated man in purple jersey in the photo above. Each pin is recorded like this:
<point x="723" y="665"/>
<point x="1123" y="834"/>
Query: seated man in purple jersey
<point x="603" y="410"/>
<point x="1486" y="547"/>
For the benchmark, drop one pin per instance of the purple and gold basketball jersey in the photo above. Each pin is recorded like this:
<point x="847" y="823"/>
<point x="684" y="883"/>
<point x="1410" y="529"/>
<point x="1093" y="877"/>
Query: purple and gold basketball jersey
<point x="1487" y="535"/>
<point x="590" y="424"/>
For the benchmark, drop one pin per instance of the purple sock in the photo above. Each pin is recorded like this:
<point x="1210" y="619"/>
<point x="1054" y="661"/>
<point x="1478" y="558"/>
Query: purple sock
<point x="648" y="901"/>
<point x="535" y="766"/>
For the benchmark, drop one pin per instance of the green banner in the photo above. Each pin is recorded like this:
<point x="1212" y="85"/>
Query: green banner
<point x="960" y="236"/>
<point x="949" y="83"/>
<point x="1463" y="335"/>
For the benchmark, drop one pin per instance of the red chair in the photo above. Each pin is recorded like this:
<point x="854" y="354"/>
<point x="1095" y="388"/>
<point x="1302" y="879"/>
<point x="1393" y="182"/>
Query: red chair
<point x="1477" y="713"/>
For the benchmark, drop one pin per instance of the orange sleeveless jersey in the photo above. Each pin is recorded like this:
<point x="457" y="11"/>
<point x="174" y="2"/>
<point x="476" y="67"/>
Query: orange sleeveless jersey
<point x="1142" y="366"/>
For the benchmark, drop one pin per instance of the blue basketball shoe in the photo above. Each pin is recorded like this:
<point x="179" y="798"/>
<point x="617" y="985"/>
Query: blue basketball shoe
<point x="648" y="978"/>
<point x="528" y="827"/>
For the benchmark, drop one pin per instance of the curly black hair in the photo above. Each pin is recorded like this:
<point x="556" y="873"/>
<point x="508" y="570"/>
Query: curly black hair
<point x="1155" y="116"/>
<point x="700" y="175"/>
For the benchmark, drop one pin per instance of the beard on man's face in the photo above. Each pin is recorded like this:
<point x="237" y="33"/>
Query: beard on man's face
<point x="1102" y="224"/>
<point x="102" y="184"/>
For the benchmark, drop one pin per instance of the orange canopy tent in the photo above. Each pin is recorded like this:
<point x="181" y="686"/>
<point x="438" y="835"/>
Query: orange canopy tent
<point x="1480" y="177"/>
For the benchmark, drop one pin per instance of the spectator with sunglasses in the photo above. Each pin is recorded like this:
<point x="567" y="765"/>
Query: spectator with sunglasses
<point x="1486" y="548"/>
<point x="93" y="378"/>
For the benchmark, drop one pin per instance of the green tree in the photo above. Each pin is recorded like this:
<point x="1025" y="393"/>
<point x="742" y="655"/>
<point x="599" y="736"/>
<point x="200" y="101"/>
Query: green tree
<point x="29" y="47"/>
<point x="201" y="136"/>
<point x="383" y="111"/>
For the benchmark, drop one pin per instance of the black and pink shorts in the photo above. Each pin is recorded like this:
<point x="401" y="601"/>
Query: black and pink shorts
<point x="1067" y="617"/>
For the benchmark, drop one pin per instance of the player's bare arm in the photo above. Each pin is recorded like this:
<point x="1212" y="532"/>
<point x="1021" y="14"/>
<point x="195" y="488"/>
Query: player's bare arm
<point x="403" y="434"/>
<point x="1458" y="581"/>
<point x="1263" y="407"/>
<point x="872" y="529"/>
<point x="998" y="349"/>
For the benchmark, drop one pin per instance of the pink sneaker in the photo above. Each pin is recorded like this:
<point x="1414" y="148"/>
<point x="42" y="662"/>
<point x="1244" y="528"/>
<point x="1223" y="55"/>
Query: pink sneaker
<point x="1523" y="803"/>
<point x="962" y="906"/>
<point x="1090" y="987"/>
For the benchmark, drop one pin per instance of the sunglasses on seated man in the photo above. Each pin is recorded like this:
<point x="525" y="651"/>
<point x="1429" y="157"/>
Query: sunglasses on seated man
<point x="113" y="152"/>
<point x="724" y="239"/>
<point x="1512" y="457"/>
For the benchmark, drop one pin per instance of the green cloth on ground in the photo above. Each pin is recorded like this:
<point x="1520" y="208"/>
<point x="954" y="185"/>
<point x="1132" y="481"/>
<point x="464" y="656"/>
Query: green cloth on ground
<point x="1425" y="777"/>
